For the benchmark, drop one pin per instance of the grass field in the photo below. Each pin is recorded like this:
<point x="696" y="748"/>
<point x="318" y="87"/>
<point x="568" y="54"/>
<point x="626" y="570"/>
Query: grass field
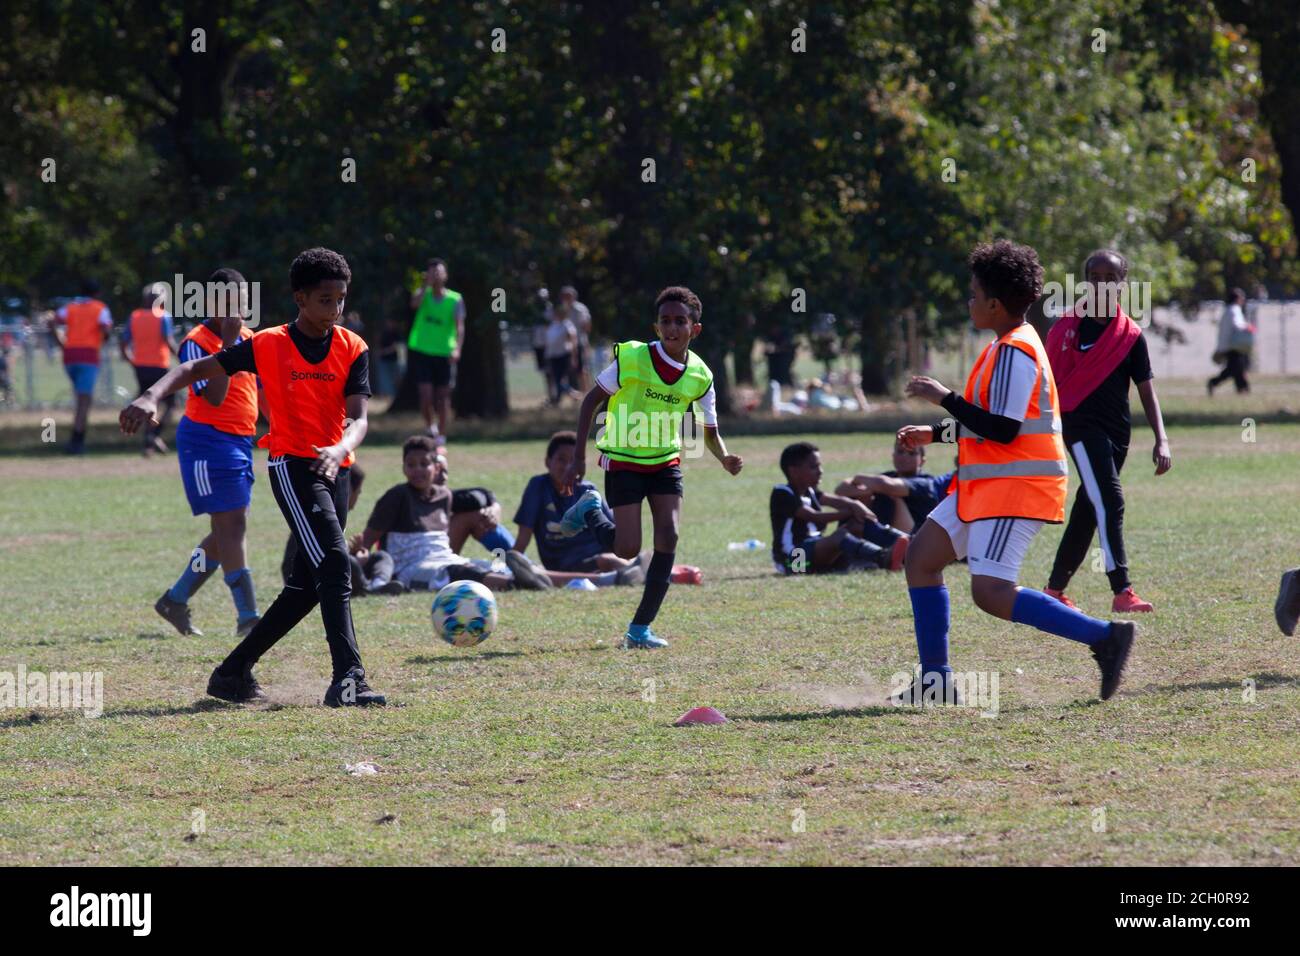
<point x="541" y="747"/>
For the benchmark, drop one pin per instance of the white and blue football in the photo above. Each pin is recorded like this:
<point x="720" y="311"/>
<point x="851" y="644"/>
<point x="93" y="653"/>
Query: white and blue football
<point x="464" y="613"/>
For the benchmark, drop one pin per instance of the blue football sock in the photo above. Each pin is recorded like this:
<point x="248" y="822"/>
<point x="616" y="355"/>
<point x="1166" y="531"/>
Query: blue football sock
<point x="1048" y="614"/>
<point x="241" y="589"/>
<point x="190" y="580"/>
<point x="498" y="537"/>
<point x="930" y="611"/>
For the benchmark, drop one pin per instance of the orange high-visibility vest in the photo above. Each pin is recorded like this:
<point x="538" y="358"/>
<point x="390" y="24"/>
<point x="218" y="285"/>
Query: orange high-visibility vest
<point x="237" y="413"/>
<point x="306" y="401"/>
<point x="84" y="334"/>
<point x="148" y="345"/>
<point x="1028" y="477"/>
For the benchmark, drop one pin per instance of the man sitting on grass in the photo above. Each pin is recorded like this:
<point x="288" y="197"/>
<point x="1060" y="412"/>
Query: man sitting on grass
<point x="907" y="484"/>
<point x="414" y="519"/>
<point x="579" y="556"/>
<point x="798" y="545"/>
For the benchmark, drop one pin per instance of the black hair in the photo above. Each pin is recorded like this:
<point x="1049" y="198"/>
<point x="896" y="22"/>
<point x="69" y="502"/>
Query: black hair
<point x="227" y="274"/>
<point x="89" y="286"/>
<point x="1109" y="254"/>
<point x="1237" y="294"/>
<point x="437" y="262"/>
<point x="679" y="293"/>
<point x="559" y="440"/>
<point x="1009" y="273"/>
<point x="424" y="443"/>
<point x="315" y="266"/>
<point x="796" y="454"/>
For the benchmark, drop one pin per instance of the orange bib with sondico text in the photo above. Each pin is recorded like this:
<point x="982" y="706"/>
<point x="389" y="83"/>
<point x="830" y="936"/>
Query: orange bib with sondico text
<point x="306" y="401"/>
<point x="237" y="413"/>
<point x="1026" y="478"/>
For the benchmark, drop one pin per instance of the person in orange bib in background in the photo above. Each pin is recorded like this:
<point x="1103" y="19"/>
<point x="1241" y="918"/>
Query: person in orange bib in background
<point x="316" y="382"/>
<point x="1011" y="480"/>
<point x="85" y="322"/>
<point x="146" y="342"/>
<point x="214" y="446"/>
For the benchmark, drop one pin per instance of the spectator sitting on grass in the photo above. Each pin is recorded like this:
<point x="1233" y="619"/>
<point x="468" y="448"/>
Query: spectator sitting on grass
<point x="798" y="545"/>
<point x="581" y="555"/>
<point x="415" y="521"/>
<point x="918" y="491"/>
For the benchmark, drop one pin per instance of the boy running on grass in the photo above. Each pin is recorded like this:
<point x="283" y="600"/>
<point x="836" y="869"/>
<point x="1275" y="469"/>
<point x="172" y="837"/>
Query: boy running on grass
<point x="316" y="383"/>
<point x="648" y="388"/>
<point x="214" y="446"/>
<point x="1011" y="480"/>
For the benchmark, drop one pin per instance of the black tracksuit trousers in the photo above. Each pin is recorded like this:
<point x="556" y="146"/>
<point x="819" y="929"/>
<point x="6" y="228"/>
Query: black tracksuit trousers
<point x="1098" y="507"/>
<point x="316" y="510"/>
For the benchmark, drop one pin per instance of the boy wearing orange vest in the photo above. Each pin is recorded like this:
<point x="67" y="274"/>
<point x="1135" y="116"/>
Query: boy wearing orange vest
<point x="147" y="344"/>
<point x="315" y="377"/>
<point x="214" y="447"/>
<point x="1011" y="480"/>
<point x="85" y="321"/>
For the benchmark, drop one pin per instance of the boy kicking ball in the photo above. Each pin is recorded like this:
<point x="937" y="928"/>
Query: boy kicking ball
<point x="647" y="389"/>
<point x="1011" y="480"/>
<point x="316" y="382"/>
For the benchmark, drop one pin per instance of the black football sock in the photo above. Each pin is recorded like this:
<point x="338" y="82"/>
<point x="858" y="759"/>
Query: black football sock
<point x="602" y="528"/>
<point x="657" y="578"/>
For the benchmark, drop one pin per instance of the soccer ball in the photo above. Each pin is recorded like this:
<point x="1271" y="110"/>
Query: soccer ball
<point x="464" y="613"/>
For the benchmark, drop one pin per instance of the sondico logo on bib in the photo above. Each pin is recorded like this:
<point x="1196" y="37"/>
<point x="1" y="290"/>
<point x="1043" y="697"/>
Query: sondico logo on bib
<point x="296" y="376"/>
<point x="134" y="910"/>
<point x="662" y="396"/>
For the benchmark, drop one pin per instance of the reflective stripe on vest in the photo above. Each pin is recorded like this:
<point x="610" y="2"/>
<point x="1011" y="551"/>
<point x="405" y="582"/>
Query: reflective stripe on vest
<point x="305" y="401"/>
<point x="1026" y="477"/>
<point x="237" y="413"/>
<point x="643" y="421"/>
<point x="148" y="345"/>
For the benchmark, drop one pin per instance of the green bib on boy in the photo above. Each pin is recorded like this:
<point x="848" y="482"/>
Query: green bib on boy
<point x="643" y="421"/>
<point x="434" y="329"/>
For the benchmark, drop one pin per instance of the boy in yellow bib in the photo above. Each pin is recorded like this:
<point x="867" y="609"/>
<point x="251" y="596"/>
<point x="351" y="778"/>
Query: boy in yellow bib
<point x="1011" y="480"/>
<point x="648" y="389"/>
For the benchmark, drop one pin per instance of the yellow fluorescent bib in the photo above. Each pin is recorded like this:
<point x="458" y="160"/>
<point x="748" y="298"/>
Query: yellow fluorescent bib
<point x="643" y="422"/>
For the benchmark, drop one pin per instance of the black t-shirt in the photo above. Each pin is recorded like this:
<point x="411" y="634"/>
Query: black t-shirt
<point x="239" y="358"/>
<point x="789" y="532"/>
<point x="1107" y="407"/>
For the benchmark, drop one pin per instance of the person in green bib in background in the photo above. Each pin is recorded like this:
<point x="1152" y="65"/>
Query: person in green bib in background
<point x="648" y="389"/>
<point x="433" y="348"/>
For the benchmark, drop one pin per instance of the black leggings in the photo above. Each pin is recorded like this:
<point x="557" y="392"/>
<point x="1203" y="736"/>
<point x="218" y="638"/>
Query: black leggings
<point x="1100" y="501"/>
<point x="316" y="510"/>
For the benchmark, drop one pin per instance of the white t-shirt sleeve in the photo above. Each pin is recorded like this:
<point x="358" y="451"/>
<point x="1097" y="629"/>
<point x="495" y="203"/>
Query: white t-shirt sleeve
<point x="106" y="318"/>
<point x="1012" y="386"/>
<point x="608" y="379"/>
<point x="708" y="406"/>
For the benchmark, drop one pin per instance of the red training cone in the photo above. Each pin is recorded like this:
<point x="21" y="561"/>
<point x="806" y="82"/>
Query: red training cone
<point x="700" y="715"/>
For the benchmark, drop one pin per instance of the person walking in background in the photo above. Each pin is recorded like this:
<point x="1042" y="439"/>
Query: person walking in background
<point x="580" y="316"/>
<point x="85" y="321"/>
<point x="1236" y="340"/>
<point x="148" y="343"/>
<point x="433" y="348"/>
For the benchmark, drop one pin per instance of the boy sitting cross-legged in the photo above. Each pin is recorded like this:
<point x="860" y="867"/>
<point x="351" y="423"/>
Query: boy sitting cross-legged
<point x="798" y="545"/>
